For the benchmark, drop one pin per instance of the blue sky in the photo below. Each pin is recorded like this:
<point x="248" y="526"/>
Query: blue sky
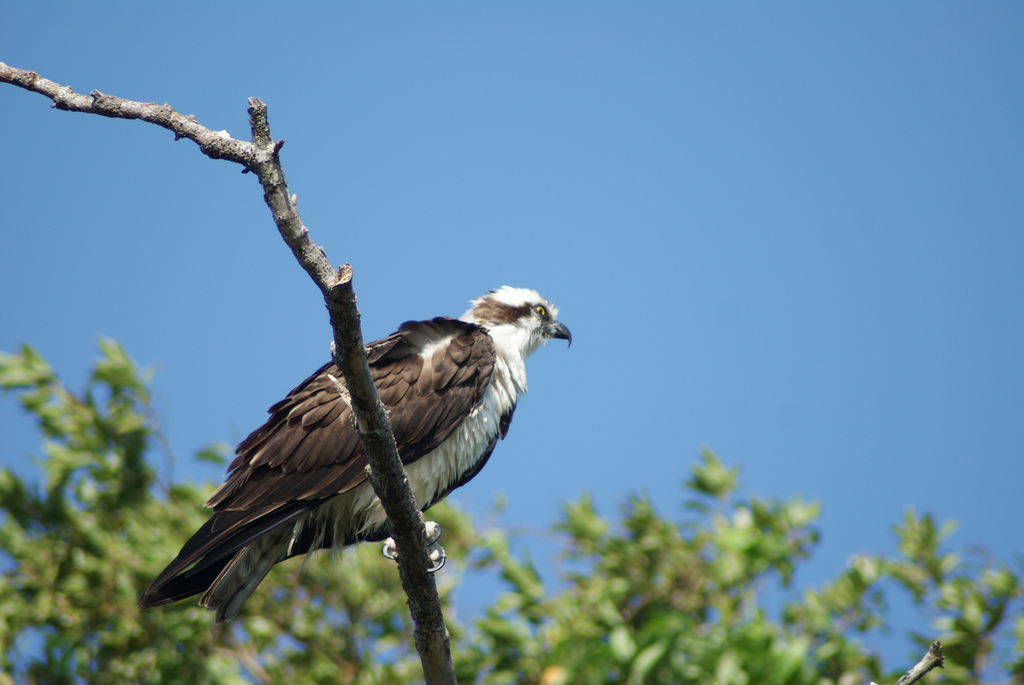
<point x="793" y="233"/>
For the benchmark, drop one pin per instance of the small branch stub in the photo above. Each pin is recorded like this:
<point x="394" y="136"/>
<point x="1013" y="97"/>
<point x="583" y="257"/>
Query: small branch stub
<point x="932" y="659"/>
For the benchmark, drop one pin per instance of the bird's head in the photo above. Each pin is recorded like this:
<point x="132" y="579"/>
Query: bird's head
<point x="517" y="318"/>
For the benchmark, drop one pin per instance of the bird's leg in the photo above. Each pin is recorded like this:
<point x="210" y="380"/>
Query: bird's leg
<point x="435" y="552"/>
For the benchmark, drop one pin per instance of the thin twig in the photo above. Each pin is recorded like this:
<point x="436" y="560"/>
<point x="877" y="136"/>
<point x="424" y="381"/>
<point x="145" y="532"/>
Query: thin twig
<point x="933" y="658"/>
<point x="261" y="157"/>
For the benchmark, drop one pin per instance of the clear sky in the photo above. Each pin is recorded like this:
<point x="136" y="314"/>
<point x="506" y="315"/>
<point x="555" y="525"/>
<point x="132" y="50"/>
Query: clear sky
<point x="791" y="232"/>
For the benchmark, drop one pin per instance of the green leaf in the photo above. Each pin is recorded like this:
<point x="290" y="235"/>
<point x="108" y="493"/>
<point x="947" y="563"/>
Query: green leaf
<point x="711" y="477"/>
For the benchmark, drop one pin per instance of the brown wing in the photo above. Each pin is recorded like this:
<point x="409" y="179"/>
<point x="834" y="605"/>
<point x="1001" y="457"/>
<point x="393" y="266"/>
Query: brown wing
<point x="309" y="450"/>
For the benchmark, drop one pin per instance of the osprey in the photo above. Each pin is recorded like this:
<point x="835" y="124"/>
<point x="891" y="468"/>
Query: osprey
<point x="298" y="482"/>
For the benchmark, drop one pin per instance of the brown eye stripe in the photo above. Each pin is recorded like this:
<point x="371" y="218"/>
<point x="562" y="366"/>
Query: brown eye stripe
<point x="498" y="312"/>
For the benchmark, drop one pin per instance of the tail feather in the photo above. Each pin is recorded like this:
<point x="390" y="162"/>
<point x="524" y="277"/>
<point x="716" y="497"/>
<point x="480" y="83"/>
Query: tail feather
<point x="182" y="586"/>
<point x="240" y="577"/>
<point x="221" y="550"/>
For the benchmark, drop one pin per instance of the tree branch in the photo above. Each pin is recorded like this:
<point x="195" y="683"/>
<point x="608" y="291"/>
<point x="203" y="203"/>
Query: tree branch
<point x="932" y="658"/>
<point x="261" y="157"/>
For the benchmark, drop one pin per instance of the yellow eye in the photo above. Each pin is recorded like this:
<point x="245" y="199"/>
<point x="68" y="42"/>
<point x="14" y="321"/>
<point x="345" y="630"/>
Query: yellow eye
<point x="539" y="308"/>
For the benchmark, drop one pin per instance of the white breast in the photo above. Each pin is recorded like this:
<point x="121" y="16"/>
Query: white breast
<point x="431" y="474"/>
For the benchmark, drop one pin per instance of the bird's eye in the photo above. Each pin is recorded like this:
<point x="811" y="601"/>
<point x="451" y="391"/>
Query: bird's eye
<point x="539" y="308"/>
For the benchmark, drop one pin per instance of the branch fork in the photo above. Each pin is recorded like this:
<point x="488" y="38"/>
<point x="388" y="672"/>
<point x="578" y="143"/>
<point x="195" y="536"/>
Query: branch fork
<point x="261" y="156"/>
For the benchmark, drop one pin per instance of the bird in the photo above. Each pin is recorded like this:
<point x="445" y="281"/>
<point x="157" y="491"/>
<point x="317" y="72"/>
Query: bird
<point x="298" y="483"/>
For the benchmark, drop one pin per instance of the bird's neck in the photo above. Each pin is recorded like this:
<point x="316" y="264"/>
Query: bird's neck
<point x="512" y="345"/>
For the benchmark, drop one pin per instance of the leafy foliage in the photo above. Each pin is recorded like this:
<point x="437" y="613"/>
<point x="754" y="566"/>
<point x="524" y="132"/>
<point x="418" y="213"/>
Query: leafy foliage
<point x="646" y="600"/>
<point x="81" y="546"/>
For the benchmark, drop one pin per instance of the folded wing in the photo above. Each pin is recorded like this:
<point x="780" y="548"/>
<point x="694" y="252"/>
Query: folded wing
<point x="429" y="374"/>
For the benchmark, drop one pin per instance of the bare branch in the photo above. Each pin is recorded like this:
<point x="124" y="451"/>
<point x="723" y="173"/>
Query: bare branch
<point x="933" y="658"/>
<point x="261" y="156"/>
<point x="215" y="144"/>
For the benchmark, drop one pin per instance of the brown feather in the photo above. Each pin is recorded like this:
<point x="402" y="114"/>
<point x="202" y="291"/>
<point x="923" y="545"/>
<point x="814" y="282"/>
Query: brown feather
<point x="308" y="450"/>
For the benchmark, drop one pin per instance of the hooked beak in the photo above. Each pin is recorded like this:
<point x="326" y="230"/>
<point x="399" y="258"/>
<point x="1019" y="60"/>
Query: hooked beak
<point x="558" y="330"/>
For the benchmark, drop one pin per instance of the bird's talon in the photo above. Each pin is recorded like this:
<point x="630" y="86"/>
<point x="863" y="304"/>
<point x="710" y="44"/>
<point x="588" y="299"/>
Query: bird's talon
<point x="435" y="552"/>
<point x="437" y="556"/>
